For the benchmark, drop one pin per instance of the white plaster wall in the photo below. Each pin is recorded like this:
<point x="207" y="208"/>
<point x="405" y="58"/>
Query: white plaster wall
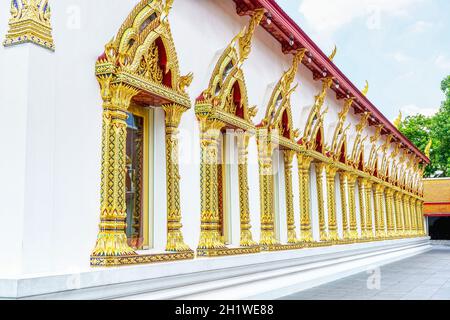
<point x="50" y="169"/>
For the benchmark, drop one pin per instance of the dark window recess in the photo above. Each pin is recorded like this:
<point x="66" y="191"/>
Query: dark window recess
<point x="439" y="228"/>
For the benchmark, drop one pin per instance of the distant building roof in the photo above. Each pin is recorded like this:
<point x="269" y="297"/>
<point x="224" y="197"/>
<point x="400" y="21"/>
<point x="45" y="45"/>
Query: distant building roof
<point x="437" y="197"/>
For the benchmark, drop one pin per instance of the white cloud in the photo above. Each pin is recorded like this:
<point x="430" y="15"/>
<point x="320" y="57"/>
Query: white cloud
<point x="330" y="15"/>
<point x="412" y="110"/>
<point x="442" y="62"/>
<point x="420" y="26"/>
<point x="400" y="57"/>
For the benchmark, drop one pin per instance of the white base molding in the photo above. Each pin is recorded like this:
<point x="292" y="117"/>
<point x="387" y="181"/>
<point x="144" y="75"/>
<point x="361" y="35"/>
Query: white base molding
<point x="265" y="275"/>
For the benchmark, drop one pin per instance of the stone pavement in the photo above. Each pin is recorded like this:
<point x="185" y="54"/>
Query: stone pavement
<point x="422" y="277"/>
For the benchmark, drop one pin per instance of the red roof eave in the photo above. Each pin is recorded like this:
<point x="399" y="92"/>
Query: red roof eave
<point x="285" y="22"/>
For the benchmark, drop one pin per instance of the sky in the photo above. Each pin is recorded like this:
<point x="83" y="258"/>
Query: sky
<point x="401" y="47"/>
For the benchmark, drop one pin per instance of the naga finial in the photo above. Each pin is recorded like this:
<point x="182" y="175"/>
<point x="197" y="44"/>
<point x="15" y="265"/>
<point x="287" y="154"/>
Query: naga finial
<point x="246" y="35"/>
<point x="428" y="148"/>
<point x="366" y="89"/>
<point x="398" y="121"/>
<point x="333" y="54"/>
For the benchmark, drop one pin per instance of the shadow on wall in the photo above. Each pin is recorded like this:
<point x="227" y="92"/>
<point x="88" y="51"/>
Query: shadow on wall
<point x="439" y="228"/>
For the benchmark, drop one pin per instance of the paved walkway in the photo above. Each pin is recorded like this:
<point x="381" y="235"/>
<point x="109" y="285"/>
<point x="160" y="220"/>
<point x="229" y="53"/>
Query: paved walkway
<point x="422" y="277"/>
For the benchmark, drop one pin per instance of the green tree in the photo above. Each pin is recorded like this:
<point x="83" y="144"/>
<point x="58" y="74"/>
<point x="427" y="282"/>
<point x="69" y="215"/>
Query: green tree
<point x="420" y="129"/>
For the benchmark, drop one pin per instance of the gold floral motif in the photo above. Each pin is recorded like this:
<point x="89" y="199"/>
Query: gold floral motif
<point x="30" y="22"/>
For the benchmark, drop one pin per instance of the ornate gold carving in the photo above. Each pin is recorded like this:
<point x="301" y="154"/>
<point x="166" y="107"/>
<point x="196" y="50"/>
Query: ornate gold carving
<point x="246" y="238"/>
<point x="320" y="172"/>
<point x="331" y="203"/>
<point x="333" y="53"/>
<point x="30" y="22"/>
<point x="428" y="148"/>
<point x="358" y="144"/>
<point x="246" y="35"/>
<point x="226" y="75"/>
<point x="379" y="211"/>
<point x="209" y="140"/>
<point x="389" y="213"/>
<point x="351" y="183"/>
<point x="340" y="137"/>
<point x="288" y="158"/>
<point x="175" y="240"/>
<point x="316" y="116"/>
<point x="343" y="183"/>
<point x="362" y="205"/>
<point x="398" y="120"/>
<point x="134" y="55"/>
<point x="304" y="165"/>
<point x="217" y="252"/>
<point x="112" y="240"/>
<point x="279" y="102"/>
<point x="131" y="67"/>
<point x="265" y="150"/>
<point x="369" y="211"/>
<point x="365" y="91"/>
<point x="115" y="261"/>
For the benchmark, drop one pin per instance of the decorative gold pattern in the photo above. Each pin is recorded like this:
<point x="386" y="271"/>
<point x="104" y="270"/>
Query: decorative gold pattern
<point x="343" y="183"/>
<point x="304" y="165"/>
<point x="30" y="22"/>
<point x="320" y="172"/>
<point x="130" y="66"/>
<point x="288" y="158"/>
<point x="132" y="69"/>
<point x="216" y="108"/>
<point x="175" y="241"/>
<point x="244" y="207"/>
<point x="114" y="261"/>
<point x="331" y="202"/>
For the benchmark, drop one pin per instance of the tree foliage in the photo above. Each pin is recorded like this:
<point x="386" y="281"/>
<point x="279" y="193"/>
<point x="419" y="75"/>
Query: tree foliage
<point x="420" y="129"/>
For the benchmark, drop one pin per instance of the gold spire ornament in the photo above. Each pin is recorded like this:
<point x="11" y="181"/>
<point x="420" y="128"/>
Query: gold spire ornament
<point x="428" y="148"/>
<point x="398" y="120"/>
<point x="365" y="91"/>
<point x="30" y="22"/>
<point x="333" y="54"/>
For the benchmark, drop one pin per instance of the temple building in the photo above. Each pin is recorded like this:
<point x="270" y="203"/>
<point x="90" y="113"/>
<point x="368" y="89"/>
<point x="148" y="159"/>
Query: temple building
<point x="163" y="149"/>
<point x="437" y="207"/>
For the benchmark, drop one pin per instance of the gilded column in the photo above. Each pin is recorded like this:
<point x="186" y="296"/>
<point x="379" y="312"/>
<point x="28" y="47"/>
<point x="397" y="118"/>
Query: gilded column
<point x="265" y="150"/>
<point x="400" y="222"/>
<point x="246" y="238"/>
<point x="320" y="172"/>
<point x="389" y="213"/>
<point x="378" y="189"/>
<point x="383" y="219"/>
<point x="331" y="203"/>
<point x="421" y="217"/>
<point x="351" y="180"/>
<point x="175" y="240"/>
<point x="414" y="216"/>
<point x="288" y="158"/>
<point x="369" y="210"/>
<point x="210" y="222"/>
<point x="406" y="215"/>
<point x="304" y="165"/>
<point x="343" y="183"/>
<point x="362" y="210"/>
<point x="111" y="239"/>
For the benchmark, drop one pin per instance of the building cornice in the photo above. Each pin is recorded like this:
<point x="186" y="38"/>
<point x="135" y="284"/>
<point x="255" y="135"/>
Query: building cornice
<point x="292" y="38"/>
